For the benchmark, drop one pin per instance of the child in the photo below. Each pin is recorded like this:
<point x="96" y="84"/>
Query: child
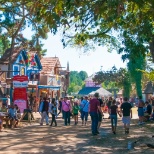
<point x="76" y="111"/>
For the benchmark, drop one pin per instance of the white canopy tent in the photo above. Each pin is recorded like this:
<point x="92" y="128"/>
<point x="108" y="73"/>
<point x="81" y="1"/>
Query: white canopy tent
<point x="102" y="92"/>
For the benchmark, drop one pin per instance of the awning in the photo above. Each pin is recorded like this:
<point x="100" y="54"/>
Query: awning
<point x="48" y="87"/>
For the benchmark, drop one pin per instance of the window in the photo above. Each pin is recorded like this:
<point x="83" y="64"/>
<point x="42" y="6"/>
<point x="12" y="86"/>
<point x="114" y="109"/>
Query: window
<point x="22" y="71"/>
<point x="15" y="69"/>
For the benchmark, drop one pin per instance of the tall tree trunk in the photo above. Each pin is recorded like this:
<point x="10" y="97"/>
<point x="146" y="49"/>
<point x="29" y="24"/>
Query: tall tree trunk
<point x="10" y="58"/>
<point x="152" y="48"/>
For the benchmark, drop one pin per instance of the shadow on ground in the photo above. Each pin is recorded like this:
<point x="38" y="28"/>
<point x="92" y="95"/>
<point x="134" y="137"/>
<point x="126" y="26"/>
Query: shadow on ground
<point x="75" y="139"/>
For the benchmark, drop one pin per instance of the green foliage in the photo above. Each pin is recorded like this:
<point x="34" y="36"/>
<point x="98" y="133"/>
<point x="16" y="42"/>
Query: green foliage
<point x="15" y="16"/>
<point x="109" y="84"/>
<point x="4" y="44"/>
<point x="76" y="81"/>
<point x="121" y="79"/>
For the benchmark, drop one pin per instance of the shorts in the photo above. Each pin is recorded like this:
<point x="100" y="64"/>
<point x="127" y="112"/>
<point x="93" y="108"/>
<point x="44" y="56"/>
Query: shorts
<point x="140" y="112"/>
<point x="75" y="113"/>
<point x="100" y="117"/>
<point x="126" y="119"/>
<point x="0" y="121"/>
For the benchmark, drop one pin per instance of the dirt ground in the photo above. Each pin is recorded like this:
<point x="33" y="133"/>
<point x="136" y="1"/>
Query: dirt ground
<point x="36" y="139"/>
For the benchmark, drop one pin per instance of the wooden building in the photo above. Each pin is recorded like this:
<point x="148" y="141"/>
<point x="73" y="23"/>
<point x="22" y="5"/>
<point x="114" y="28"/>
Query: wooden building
<point x="54" y="81"/>
<point x="22" y="62"/>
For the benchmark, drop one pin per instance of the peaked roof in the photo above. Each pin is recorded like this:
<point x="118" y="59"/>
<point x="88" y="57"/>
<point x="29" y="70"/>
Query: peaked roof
<point x="48" y="64"/>
<point x="102" y="92"/>
<point x="87" y="90"/>
<point x="90" y="78"/>
<point x="5" y="57"/>
<point x="14" y="55"/>
<point x="93" y="90"/>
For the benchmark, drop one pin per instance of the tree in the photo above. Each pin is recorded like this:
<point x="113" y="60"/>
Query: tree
<point x="83" y="75"/>
<point x="4" y="44"/>
<point x="15" y="16"/>
<point x="129" y="50"/>
<point x="121" y="77"/>
<point x="76" y="81"/>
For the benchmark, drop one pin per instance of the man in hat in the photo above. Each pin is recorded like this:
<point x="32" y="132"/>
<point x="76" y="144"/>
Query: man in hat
<point x="94" y="108"/>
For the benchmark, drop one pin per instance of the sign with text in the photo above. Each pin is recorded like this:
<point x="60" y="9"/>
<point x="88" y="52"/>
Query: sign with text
<point x="20" y="98"/>
<point x="20" y="93"/>
<point x="20" y="81"/>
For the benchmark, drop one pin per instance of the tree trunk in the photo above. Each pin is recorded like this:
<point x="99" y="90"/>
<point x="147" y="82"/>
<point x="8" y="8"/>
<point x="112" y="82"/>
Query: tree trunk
<point x="152" y="48"/>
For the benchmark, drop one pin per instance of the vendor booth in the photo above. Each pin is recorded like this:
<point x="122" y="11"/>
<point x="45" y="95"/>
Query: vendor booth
<point x="49" y="91"/>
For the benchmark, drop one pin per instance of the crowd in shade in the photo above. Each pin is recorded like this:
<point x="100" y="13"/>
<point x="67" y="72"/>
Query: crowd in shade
<point x="88" y="106"/>
<point x="94" y="106"/>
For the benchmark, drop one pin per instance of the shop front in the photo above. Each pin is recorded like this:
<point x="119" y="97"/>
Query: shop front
<point x="49" y="91"/>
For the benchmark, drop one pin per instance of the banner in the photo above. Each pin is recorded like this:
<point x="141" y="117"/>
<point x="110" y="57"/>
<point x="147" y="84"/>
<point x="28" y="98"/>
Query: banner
<point x="20" y="98"/>
<point x="20" y="92"/>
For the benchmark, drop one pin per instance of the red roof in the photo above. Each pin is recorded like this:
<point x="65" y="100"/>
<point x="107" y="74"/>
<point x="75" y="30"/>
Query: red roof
<point x="48" y="64"/>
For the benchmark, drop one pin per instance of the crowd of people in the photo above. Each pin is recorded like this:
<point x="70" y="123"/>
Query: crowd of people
<point x="83" y="107"/>
<point x="94" y="106"/>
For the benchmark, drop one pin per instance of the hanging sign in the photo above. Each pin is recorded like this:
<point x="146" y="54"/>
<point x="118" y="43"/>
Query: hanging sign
<point x="20" y="81"/>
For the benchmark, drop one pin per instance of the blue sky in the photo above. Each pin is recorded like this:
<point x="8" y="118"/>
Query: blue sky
<point x="90" y="62"/>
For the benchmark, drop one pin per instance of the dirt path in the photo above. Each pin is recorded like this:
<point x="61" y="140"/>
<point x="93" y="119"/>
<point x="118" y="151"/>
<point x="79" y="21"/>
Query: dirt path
<point x="75" y="139"/>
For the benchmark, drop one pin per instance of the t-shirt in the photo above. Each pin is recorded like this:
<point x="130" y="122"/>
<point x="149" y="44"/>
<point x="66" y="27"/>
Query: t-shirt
<point x="66" y="106"/>
<point x="113" y="109"/>
<point x="54" y="109"/>
<point x="12" y="112"/>
<point x="101" y="102"/>
<point x="109" y="104"/>
<point x="76" y="109"/>
<point x="126" y="107"/>
<point x="149" y="109"/>
<point x="94" y="103"/>
<point x="84" y="106"/>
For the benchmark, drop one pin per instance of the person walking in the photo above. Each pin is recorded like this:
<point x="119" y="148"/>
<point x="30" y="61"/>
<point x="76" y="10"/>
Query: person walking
<point x="108" y="105"/>
<point x="113" y="116"/>
<point x="84" y="108"/>
<point x="76" y="111"/>
<point x="127" y="114"/>
<point x="94" y="107"/>
<point x="44" y="106"/>
<point x="141" y="111"/>
<point x="66" y="107"/>
<point x="60" y="106"/>
<point x="53" y="111"/>
<point x="100" y="114"/>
